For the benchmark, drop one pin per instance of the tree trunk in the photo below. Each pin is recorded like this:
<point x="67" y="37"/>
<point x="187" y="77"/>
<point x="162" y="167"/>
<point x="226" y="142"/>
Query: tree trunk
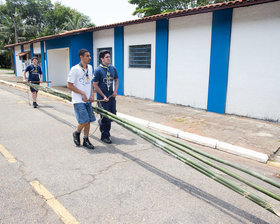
<point x="15" y="27"/>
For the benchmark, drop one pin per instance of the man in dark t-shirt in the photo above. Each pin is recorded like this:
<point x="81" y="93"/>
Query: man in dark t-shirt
<point x="35" y="77"/>
<point x="105" y="75"/>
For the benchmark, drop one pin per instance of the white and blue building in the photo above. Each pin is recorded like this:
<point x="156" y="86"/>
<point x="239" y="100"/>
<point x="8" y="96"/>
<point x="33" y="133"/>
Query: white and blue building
<point x="223" y="58"/>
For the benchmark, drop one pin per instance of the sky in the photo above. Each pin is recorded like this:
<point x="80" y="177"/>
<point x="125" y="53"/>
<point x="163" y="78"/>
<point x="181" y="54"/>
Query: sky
<point x="102" y="12"/>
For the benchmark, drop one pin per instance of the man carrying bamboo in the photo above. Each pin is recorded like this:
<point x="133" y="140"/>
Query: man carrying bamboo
<point x="104" y="77"/>
<point x="35" y="77"/>
<point x="80" y="82"/>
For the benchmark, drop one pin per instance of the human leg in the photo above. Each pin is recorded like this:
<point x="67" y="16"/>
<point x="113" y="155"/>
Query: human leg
<point x="84" y="116"/>
<point x="105" y="123"/>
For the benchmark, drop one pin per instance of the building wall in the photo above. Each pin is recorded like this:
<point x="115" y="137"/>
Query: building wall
<point x="58" y="66"/>
<point x="74" y="44"/>
<point x="226" y="61"/>
<point x="37" y="48"/>
<point x="253" y="82"/>
<point x="26" y="47"/>
<point x="103" y="39"/>
<point x="18" y="62"/>
<point x="139" y="82"/>
<point x="189" y="60"/>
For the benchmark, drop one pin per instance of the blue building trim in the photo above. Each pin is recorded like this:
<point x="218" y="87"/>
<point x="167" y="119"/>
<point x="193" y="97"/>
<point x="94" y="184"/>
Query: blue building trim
<point x="161" y="60"/>
<point x="119" y="56"/>
<point x="31" y="51"/>
<point x="74" y="43"/>
<point x="219" y="60"/>
<point x="43" y="60"/>
<point x="15" y="61"/>
<point x="21" y="50"/>
<point x="79" y="42"/>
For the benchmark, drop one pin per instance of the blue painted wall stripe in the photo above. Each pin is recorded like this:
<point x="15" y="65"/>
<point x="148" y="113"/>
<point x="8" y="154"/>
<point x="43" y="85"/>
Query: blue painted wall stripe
<point x="31" y="51"/>
<point x="79" y="42"/>
<point x="119" y="56"/>
<point x="74" y="43"/>
<point x="161" y="60"/>
<point x="219" y="60"/>
<point x="43" y="60"/>
<point x="15" y="61"/>
<point x="22" y="50"/>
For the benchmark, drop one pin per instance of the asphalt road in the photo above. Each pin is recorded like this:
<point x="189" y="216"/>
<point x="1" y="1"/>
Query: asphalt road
<point x="130" y="181"/>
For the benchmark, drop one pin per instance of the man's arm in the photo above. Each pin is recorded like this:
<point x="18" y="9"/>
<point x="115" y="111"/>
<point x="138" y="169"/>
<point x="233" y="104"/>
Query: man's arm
<point x="76" y="90"/>
<point x="24" y="76"/>
<point x="41" y="75"/>
<point x="116" y="81"/>
<point x="95" y="85"/>
<point x="91" y="93"/>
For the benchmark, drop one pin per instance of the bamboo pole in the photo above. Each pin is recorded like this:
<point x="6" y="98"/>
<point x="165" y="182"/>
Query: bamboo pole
<point x="247" y="194"/>
<point x="183" y="147"/>
<point x="162" y="143"/>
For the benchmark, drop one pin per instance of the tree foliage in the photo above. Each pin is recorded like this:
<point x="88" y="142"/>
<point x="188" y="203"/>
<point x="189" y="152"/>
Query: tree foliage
<point x="152" y="7"/>
<point x="22" y="20"/>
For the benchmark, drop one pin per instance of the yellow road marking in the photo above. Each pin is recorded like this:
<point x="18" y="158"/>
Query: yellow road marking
<point x="58" y="208"/>
<point x="7" y="155"/>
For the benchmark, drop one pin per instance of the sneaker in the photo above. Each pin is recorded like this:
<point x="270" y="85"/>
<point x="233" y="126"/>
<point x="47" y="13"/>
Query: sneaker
<point x="76" y="138"/>
<point x="87" y="144"/>
<point x="106" y="140"/>
<point x="35" y="104"/>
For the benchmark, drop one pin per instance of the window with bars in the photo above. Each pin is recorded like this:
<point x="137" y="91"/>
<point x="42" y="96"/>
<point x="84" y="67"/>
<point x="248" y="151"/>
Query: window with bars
<point x="140" y="56"/>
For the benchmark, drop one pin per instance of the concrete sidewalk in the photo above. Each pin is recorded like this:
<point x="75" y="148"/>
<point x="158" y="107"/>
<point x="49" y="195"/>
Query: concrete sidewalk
<point x="255" y="139"/>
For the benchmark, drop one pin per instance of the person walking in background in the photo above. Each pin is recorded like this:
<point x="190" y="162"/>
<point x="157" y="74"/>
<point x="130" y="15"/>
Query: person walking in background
<point x="104" y="77"/>
<point x="80" y="82"/>
<point x="35" y="77"/>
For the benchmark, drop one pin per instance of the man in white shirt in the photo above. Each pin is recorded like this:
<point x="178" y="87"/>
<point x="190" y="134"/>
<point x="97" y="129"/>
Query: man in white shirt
<point x="79" y="81"/>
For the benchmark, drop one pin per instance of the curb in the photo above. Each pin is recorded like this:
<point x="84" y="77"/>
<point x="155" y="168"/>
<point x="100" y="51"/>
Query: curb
<point x="41" y="92"/>
<point x="201" y="140"/>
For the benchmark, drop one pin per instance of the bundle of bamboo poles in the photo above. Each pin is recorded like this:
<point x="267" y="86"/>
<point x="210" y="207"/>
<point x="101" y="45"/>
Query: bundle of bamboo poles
<point x="169" y="145"/>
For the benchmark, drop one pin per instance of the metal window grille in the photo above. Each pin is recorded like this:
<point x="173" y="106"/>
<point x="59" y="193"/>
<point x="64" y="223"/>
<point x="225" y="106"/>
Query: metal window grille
<point x="140" y="56"/>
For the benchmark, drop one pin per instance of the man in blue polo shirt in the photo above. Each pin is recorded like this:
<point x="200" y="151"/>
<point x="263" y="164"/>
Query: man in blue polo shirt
<point x="35" y="77"/>
<point x="105" y="75"/>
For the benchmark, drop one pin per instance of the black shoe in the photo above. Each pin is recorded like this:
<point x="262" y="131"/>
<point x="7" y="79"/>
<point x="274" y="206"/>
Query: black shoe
<point x="76" y="138"/>
<point x="87" y="144"/>
<point x="35" y="105"/>
<point x="106" y="140"/>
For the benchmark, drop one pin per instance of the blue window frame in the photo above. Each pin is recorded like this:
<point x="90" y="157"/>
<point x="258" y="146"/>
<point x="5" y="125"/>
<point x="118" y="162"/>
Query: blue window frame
<point x="140" y="56"/>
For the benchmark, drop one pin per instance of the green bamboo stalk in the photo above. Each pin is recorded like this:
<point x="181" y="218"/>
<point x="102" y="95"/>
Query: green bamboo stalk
<point x="172" y="142"/>
<point x="113" y="117"/>
<point x="224" y="170"/>
<point x="50" y="91"/>
<point x="247" y="194"/>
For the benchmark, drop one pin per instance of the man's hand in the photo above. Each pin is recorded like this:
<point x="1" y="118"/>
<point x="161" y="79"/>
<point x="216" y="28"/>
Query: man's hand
<point x="24" y="80"/>
<point x="91" y="99"/>
<point x="84" y="97"/>
<point x="114" y="94"/>
<point x="106" y="99"/>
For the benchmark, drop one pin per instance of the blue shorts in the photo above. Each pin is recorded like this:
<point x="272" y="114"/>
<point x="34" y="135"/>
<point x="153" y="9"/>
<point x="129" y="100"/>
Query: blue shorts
<point x="84" y="113"/>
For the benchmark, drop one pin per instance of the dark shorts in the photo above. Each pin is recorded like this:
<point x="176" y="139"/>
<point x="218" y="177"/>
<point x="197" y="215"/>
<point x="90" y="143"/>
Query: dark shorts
<point x="84" y="113"/>
<point x="32" y="89"/>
